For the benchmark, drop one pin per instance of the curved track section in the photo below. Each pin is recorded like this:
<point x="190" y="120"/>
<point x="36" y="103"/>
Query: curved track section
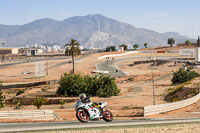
<point x="19" y="127"/>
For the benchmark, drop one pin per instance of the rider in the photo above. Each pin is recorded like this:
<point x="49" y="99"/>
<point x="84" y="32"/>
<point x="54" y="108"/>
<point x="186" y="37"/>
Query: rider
<point x="84" y="99"/>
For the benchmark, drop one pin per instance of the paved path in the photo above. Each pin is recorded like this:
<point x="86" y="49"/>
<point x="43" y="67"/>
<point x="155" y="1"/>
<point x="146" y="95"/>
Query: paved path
<point x="111" y="66"/>
<point x="17" y="127"/>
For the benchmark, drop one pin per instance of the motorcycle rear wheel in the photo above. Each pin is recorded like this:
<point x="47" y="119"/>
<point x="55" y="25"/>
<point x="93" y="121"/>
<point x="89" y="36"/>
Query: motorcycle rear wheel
<point x="107" y="116"/>
<point x="82" y="115"/>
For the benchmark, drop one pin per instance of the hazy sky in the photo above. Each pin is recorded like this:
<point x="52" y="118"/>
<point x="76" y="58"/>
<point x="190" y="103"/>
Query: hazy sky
<point x="160" y="15"/>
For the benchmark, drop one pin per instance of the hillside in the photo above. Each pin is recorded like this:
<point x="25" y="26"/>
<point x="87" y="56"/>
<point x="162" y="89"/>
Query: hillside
<point x="86" y="30"/>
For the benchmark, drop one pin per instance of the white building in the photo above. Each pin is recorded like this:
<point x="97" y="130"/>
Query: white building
<point x="32" y="51"/>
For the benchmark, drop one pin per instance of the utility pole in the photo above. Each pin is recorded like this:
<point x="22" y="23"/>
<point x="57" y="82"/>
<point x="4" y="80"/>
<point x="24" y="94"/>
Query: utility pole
<point x="110" y="37"/>
<point x="152" y="73"/>
<point x="3" y="51"/>
<point x="46" y="63"/>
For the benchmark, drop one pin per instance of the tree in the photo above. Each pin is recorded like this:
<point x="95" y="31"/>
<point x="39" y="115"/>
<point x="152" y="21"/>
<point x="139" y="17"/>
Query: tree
<point x="187" y="42"/>
<point x="102" y="85"/>
<point x="72" y="48"/>
<point x="135" y="46"/>
<point x="145" y="45"/>
<point x="2" y="98"/>
<point x="171" y="41"/>
<point x="125" y="46"/>
<point x="111" y="48"/>
<point x="71" y="85"/>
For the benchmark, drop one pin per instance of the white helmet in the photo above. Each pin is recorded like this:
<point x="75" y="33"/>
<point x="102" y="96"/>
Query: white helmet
<point x="82" y="96"/>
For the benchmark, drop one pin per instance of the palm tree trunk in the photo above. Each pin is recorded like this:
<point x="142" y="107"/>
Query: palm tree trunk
<point x="72" y="61"/>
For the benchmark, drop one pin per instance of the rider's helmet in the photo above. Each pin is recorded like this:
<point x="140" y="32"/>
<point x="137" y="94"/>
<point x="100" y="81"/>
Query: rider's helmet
<point x="82" y="96"/>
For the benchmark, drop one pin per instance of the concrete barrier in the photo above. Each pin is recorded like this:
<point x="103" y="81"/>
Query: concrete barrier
<point x="160" y="108"/>
<point x="115" y="55"/>
<point x="28" y="84"/>
<point x="30" y="115"/>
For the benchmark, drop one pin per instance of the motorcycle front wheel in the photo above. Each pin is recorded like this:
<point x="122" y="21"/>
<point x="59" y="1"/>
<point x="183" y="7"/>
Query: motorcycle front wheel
<point x="82" y="115"/>
<point x="107" y="116"/>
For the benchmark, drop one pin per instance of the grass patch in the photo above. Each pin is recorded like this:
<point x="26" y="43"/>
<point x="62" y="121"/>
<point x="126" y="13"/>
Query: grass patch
<point x="34" y="77"/>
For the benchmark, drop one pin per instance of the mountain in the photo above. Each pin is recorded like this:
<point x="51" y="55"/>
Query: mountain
<point x="91" y="31"/>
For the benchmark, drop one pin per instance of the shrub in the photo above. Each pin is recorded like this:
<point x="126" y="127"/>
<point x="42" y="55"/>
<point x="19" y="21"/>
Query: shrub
<point x="39" y="101"/>
<point x="19" y="92"/>
<point x="71" y="85"/>
<point x="183" y="75"/>
<point x="2" y="98"/>
<point x="18" y="104"/>
<point x="99" y="85"/>
<point x="106" y="86"/>
<point x="130" y="79"/>
<point x="62" y="103"/>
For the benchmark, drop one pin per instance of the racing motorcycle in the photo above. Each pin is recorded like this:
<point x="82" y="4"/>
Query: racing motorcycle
<point x="87" y="111"/>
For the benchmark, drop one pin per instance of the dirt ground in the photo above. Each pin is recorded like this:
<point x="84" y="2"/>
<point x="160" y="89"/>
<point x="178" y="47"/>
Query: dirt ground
<point x="128" y="105"/>
<point x="178" y="128"/>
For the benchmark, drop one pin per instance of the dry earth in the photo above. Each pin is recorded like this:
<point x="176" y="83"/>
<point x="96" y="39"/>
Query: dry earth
<point x="180" y="128"/>
<point x="128" y="105"/>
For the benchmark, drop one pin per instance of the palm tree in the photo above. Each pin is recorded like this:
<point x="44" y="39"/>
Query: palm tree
<point x="72" y="48"/>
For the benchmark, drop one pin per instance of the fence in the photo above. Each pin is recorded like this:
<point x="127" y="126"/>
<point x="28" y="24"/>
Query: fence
<point x="30" y="115"/>
<point x="156" y="109"/>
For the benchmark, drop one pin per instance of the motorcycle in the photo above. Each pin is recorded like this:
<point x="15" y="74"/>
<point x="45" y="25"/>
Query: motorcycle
<point x="87" y="111"/>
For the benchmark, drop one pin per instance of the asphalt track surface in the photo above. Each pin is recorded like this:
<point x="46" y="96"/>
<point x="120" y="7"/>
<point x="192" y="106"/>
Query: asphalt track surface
<point x="32" y="60"/>
<point x="39" y="126"/>
<point x="114" y="70"/>
<point x="43" y="59"/>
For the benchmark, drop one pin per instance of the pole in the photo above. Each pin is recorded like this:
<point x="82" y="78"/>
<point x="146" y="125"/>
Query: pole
<point x="72" y="59"/>
<point x="152" y="73"/>
<point x="3" y="51"/>
<point x="110" y="36"/>
<point x="46" y="63"/>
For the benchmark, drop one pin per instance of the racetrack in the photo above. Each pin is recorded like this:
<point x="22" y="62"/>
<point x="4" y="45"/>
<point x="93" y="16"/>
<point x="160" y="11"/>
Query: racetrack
<point x="17" y="127"/>
<point x="110" y="65"/>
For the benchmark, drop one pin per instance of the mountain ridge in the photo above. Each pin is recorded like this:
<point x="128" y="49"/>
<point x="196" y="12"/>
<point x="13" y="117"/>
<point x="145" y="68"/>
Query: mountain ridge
<point x="85" y="30"/>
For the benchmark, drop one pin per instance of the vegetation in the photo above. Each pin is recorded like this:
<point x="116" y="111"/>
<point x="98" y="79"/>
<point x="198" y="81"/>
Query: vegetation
<point x="171" y="41"/>
<point x="19" y="92"/>
<point x="145" y="45"/>
<point x="125" y="46"/>
<point x="39" y="101"/>
<point x="72" y="48"/>
<point x="182" y="92"/>
<point x="183" y="75"/>
<point x="135" y="46"/>
<point x="99" y="85"/>
<point x="130" y="79"/>
<point x="18" y="104"/>
<point x="62" y="103"/>
<point x="2" y="98"/>
<point x="111" y="48"/>
<point x="187" y="42"/>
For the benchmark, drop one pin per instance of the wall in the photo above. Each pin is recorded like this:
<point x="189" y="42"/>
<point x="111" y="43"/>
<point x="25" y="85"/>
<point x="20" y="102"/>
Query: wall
<point x="114" y="55"/>
<point x="160" y="108"/>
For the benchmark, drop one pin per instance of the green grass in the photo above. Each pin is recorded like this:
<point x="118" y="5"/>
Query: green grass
<point x="34" y="77"/>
